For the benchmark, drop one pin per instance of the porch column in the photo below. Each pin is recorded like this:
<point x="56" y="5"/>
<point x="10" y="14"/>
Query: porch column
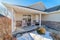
<point x="40" y="20"/>
<point x="13" y="21"/>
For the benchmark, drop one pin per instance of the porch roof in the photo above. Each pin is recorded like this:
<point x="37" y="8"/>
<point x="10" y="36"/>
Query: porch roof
<point x="1" y="15"/>
<point x="22" y="9"/>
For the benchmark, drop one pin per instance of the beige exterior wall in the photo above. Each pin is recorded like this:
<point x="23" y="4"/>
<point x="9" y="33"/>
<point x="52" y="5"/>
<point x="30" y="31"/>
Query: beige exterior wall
<point x="51" y="17"/>
<point x="20" y="16"/>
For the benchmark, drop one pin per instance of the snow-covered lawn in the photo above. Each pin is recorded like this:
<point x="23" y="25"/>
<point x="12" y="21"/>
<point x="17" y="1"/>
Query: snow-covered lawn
<point x="35" y="36"/>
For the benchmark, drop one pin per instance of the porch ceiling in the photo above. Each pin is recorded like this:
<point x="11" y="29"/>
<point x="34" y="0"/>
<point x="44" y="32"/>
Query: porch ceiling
<point x="19" y="10"/>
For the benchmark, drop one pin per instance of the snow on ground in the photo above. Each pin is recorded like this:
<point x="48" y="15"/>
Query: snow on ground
<point x="35" y="36"/>
<point x="25" y="37"/>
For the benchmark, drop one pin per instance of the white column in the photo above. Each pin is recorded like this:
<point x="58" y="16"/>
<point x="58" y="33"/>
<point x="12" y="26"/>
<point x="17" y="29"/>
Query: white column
<point x="32" y="23"/>
<point x="13" y="21"/>
<point x="40" y="20"/>
<point x="37" y="18"/>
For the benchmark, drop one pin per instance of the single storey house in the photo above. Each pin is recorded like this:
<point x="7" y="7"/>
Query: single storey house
<point x="36" y="14"/>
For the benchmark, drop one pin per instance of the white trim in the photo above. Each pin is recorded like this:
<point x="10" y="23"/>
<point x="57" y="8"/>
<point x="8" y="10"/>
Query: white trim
<point x="40" y="20"/>
<point x="13" y="21"/>
<point x="37" y="18"/>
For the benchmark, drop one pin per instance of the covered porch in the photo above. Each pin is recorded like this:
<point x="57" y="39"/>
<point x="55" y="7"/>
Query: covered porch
<point x="24" y="16"/>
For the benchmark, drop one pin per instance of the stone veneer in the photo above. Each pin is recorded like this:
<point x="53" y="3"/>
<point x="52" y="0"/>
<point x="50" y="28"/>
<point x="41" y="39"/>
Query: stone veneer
<point x="52" y="24"/>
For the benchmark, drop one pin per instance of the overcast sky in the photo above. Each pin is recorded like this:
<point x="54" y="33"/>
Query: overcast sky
<point x="47" y="3"/>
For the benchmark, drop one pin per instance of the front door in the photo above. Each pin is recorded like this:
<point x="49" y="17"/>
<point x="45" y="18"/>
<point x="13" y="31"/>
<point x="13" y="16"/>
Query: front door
<point x="27" y="20"/>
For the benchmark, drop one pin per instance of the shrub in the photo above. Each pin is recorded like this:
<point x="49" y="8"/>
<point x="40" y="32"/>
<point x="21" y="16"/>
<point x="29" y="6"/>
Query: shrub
<point x="41" y="31"/>
<point x="55" y="36"/>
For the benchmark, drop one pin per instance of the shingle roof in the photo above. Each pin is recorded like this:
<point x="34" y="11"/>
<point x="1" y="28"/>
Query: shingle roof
<point x="1" y="15"/>
<point x="28" y="7"/>
<point x="56" y="8"/>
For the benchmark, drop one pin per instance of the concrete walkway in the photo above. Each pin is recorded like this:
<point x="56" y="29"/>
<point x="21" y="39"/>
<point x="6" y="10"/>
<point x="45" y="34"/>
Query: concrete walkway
<point x="22" y="30"/>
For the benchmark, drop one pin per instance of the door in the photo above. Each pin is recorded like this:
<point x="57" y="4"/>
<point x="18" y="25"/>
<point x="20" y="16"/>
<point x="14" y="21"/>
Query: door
<point x="27" y="19"/>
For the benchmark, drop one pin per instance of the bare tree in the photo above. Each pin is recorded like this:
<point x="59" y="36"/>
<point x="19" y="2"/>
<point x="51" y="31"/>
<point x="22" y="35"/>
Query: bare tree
<point x="5" y="27"/>
<point x="7" y="34"/>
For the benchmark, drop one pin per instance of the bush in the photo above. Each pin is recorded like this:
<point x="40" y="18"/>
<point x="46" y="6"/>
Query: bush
<point x="41" y="31"/>
<point x="55" y="36"/>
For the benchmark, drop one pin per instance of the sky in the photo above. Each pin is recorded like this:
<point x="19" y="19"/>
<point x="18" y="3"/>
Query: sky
<point x="47" y="3"/>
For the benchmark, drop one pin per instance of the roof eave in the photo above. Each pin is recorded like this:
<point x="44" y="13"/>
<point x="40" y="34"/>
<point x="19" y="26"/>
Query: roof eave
<point x="9" y="5"/>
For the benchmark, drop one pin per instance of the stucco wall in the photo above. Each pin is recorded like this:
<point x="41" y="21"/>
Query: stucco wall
<point x="51" y="17"/>
<point x="20" y="16"/>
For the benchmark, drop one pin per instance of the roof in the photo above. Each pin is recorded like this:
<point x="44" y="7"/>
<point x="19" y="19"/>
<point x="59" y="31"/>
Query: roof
<point x="1" y="15"/>
<point x="38" y="5"/>
<point x="20" y="6"/>
<point x="28" y="7"/>
<point x="56" y="8"/>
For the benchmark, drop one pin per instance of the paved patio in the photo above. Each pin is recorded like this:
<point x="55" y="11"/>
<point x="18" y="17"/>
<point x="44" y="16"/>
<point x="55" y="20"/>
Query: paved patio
<point x="22" y="30"/>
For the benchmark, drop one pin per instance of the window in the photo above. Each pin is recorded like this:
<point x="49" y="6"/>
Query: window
<point x="18" y="23"/>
